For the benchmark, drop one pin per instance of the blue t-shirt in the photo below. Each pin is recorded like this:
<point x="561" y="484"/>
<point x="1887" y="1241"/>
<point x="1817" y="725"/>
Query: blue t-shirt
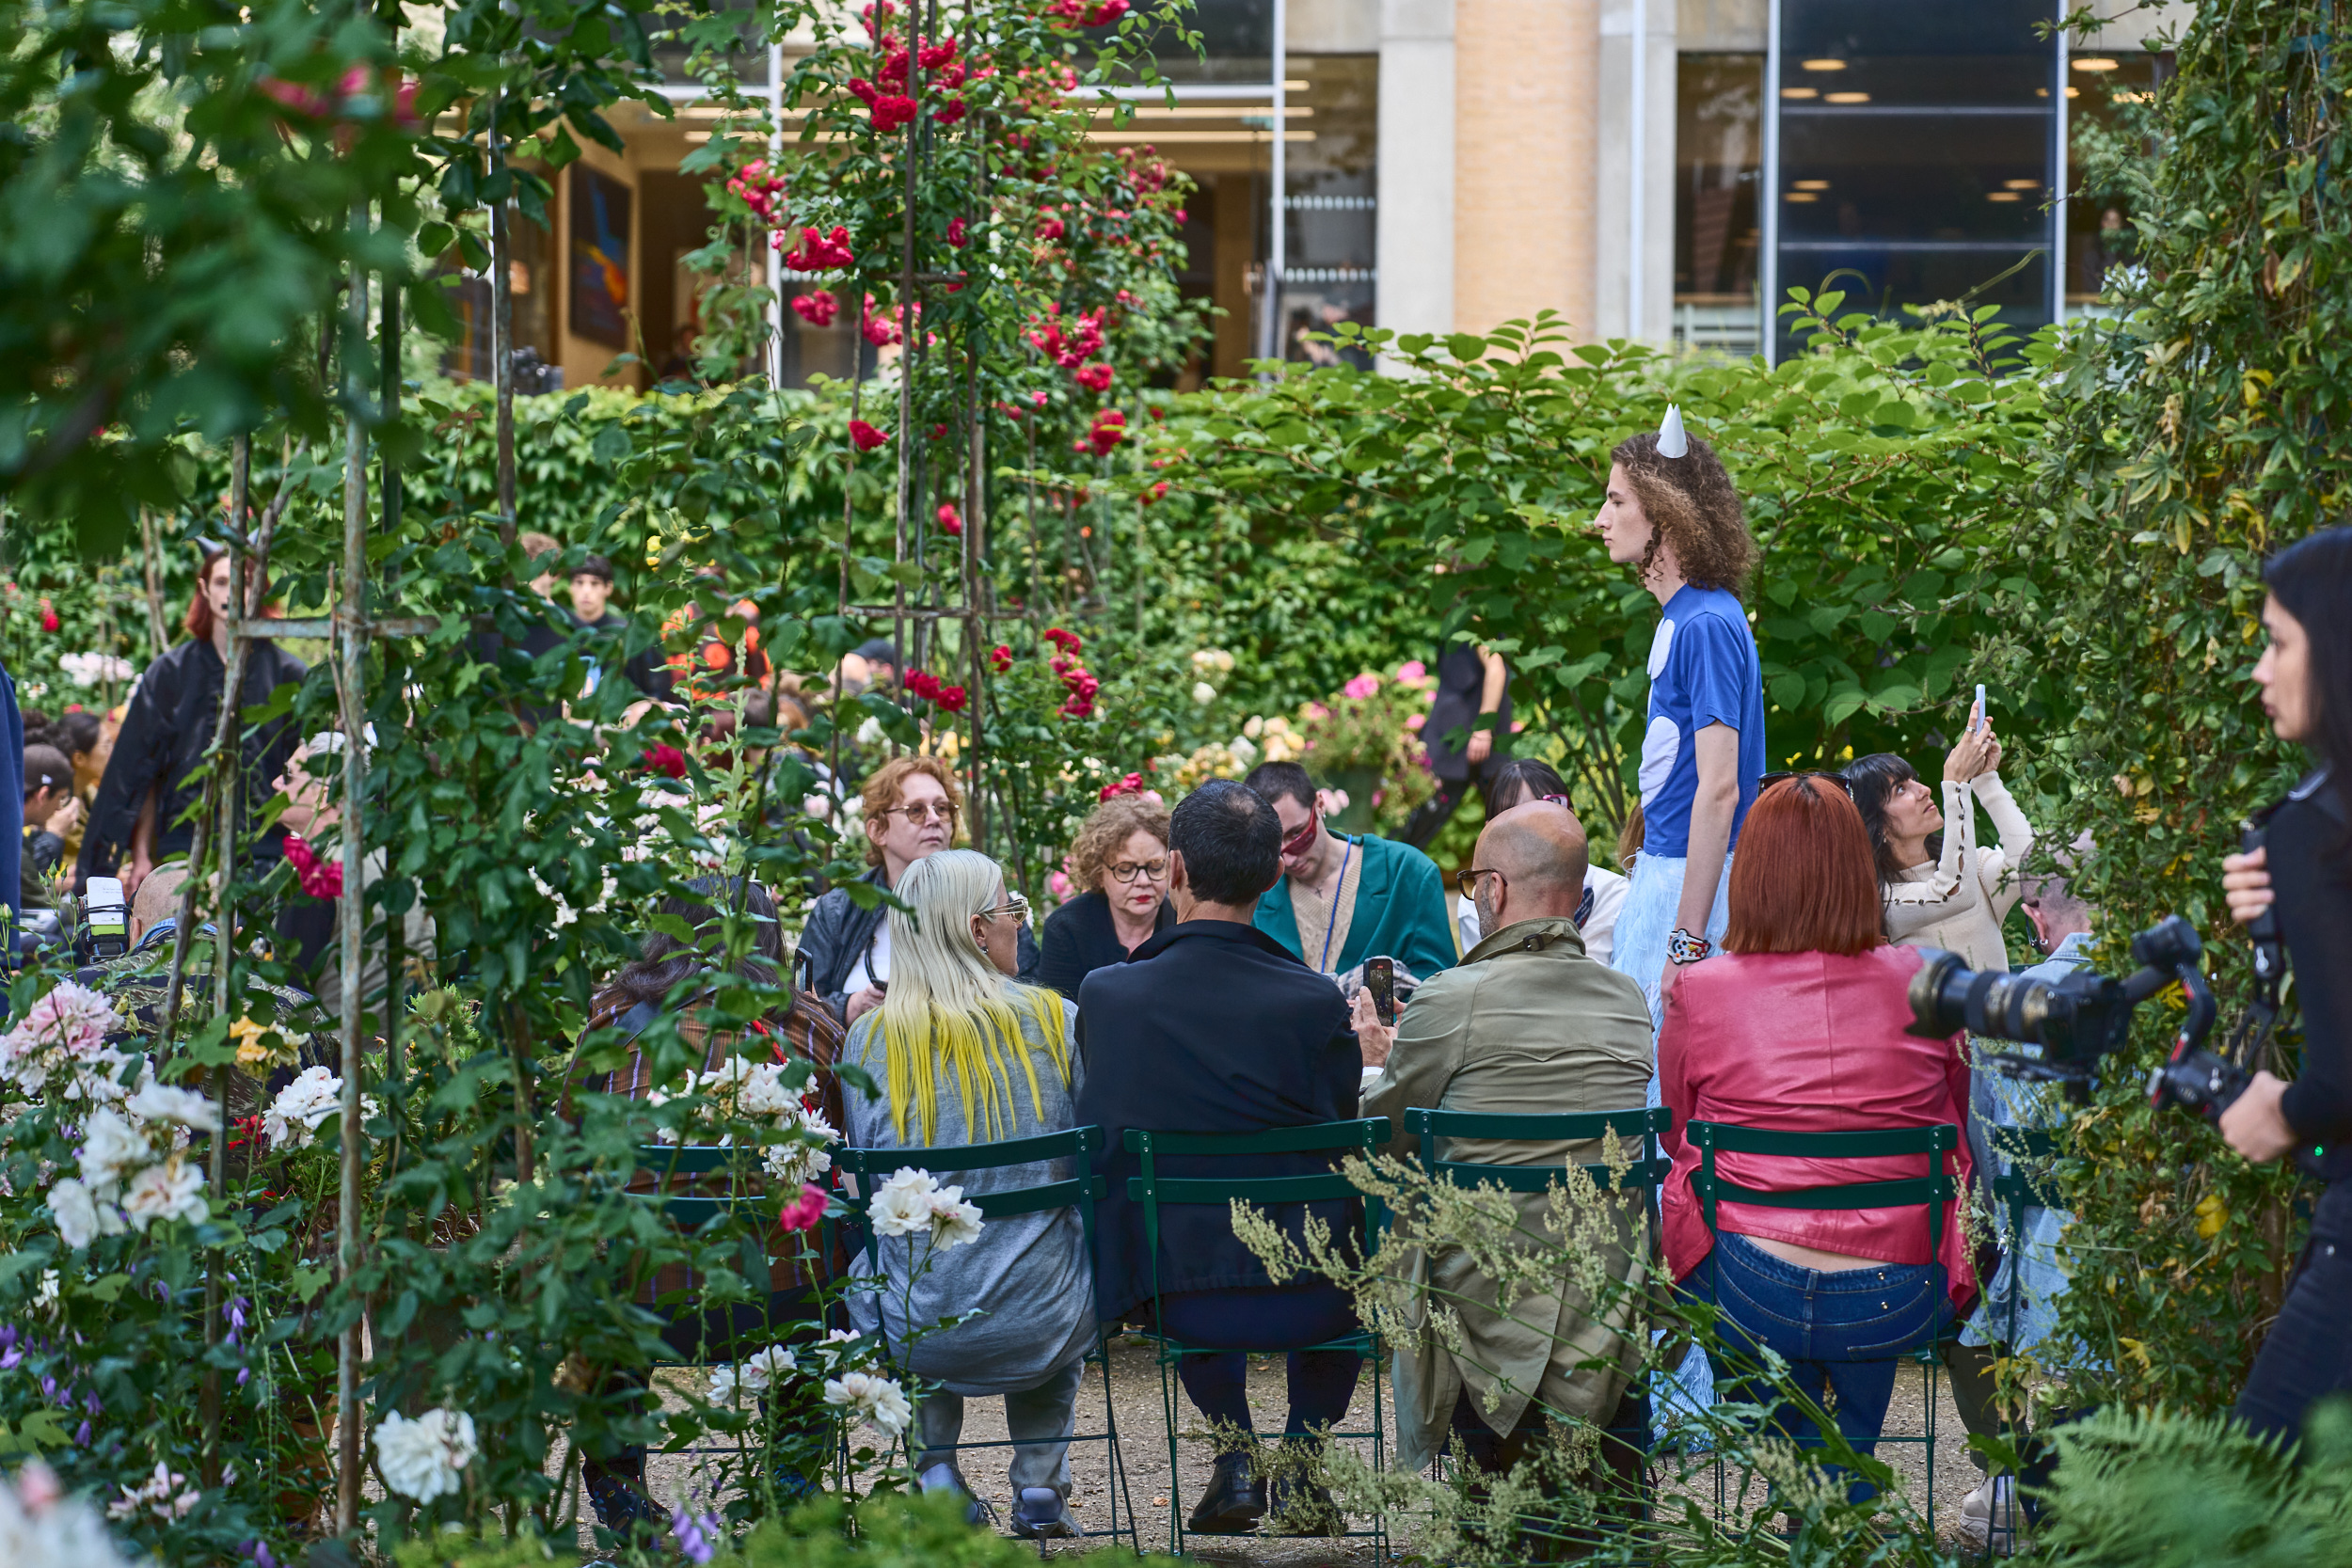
<point x="1703" y="671"/>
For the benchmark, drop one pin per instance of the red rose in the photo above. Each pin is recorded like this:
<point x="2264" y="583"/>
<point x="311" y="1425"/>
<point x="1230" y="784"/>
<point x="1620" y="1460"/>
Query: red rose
<point x="818" y="309"/>
<point x="892" y="112"/>
<point x="319" y="879"/>
<point x="1066" y="640"/>
<point x="952" y="698"/>
<point x="804" y="1212"/>
<point x="948" y="112"/>
<point x="950" y="523"/>
<point x="1095" y="377"/>
<point x="666" y="759"/>
<point x="957" y="234"/>
<point x="1001" y="656"/>
<point x="866" y="436"/>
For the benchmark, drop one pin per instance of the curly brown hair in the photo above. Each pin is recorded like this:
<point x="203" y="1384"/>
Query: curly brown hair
<point x="1690" y="504"/>
<point x="1105" y="831"/>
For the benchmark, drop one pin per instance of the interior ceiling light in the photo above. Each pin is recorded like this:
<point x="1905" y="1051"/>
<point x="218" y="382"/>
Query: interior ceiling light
<point x="1800" y="92"/>
<point x="1812" y="184"/>
<point x="2003" y="195"/>
<point x="2021" y="184"/>
<point x="2097" y="62"/>
<point x="2074" y="93"/>
<point x="1847" y="98"/>
<point x="1824" y="65"/>
<point x="1802" y="195"/>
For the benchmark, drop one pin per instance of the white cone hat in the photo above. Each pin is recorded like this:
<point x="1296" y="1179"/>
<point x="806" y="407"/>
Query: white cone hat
<point x="1671" y="440"/>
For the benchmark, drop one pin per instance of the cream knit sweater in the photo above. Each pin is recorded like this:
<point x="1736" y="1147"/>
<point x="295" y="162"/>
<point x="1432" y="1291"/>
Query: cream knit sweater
<point x="1960" y="901"/>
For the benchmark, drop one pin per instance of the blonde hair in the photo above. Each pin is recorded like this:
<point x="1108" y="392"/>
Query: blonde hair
<point x="887" y="789"/>
<point x="948" y="1007"/>
<point x="1107" y="831"/>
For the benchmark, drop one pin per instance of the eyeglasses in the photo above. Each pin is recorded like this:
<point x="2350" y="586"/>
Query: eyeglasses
<point x="1840" y="780"/>
<point x="923" y="812"/>
<point x="1127" y="871"/>
<point x="1303" y="840"/>
<point x="1014" y="905"/>
<point x="1468" y="880"/>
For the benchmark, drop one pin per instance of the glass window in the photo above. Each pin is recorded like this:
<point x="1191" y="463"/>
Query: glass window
<point x="1719" y="159"/>
<point x="2102" y="91"/>
<point x="1328" y="272"/>
<point x="1917" y="147"/>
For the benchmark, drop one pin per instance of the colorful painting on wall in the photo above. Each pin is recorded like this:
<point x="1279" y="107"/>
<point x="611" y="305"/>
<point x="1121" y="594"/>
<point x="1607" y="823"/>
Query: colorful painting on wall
<point x="601" y="291"/>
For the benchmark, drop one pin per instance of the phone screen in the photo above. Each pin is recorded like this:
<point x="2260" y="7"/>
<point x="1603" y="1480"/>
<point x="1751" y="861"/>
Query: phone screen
<point x="1975" y="716"/>
<point x="1380" y="980"/>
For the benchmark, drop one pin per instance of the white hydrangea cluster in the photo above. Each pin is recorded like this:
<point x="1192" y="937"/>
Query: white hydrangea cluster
<point x="426" y="1458"/>
<point x="913" y="1203"/>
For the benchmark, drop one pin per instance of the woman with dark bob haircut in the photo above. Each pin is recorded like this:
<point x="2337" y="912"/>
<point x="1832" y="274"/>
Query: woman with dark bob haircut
<point x="1800" y="1028"/>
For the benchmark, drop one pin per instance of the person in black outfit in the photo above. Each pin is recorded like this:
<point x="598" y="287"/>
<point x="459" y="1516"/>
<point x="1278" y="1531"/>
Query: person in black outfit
<point x="152" y="777"/>
<point x="1213" y="1026"/>
<point x="1120" y="860"/>
<point x="592" y="600"/>
<point x="1472" y="684"/>
<point x="2303" y="873"/>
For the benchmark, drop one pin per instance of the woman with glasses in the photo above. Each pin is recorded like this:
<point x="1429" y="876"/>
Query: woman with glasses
<point x="1120" y="860"/>
<point x="966" y="1054"/>
<point x="910" y="806"/>
<point x="1942" y="889"/>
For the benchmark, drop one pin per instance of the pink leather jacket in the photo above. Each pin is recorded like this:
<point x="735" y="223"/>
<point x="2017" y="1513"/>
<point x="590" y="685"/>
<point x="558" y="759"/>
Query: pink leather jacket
<point x="1808" y="1042"/>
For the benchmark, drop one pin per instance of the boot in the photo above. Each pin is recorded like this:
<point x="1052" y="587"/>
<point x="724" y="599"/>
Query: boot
<point x="1234" y="1502"/>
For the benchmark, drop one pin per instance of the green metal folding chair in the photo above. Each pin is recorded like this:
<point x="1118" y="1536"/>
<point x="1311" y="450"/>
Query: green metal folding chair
<point x="1934" y="1190"/>
<point x="1154" y="1190"/>
<point x="1642" y="1175"/>
<point x="1081" y="1191"/>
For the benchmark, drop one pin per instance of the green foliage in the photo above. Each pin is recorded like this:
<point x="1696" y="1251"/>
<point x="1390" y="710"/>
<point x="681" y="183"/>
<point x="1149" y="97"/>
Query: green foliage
<point x="1876" y="471"/>
<point x="2157" y="1489"/>
<point x="2189" y="438"/>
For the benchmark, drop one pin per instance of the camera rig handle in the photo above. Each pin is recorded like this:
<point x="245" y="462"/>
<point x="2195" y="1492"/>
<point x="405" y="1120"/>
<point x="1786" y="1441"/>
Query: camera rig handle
<point x="2250" y="1042"/>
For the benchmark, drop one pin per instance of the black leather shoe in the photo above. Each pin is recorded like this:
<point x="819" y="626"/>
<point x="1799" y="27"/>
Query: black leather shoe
<point x="1234" y="1502"/>
<point x="1302" y="1508"/>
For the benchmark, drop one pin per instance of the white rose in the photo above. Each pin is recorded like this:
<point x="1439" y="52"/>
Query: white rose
<point x="156" y="1101"/>
<point x="293" y="1117"/>
<point x="754" y="1376"/>
<point x="954" y="1222"/>
<point x="46" y="1299"/>
<point x="426" y="1458"/>
<point x="76" y="1214"/>
<point x="167" y="1192"/>
<point x="110" y="1146"/>
<point x="1204" y="693"/>
<point x="902" y="1205"/>
<point x="879" y="1399"/>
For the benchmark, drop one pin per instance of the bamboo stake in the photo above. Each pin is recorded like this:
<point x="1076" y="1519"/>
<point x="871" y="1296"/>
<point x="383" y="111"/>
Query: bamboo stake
<point x="158" y="635"/>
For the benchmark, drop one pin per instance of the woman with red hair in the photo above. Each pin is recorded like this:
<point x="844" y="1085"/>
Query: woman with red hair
<point x="1802" y="1026"/>
<point x="152" y="776"/>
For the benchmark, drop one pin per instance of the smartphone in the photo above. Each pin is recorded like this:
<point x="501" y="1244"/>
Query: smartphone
<point x="1976" y="717"/>
<point x="1380" y="980"/>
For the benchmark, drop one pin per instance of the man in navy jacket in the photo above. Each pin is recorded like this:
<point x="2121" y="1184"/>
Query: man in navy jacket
<point x="1211" y="1026"/>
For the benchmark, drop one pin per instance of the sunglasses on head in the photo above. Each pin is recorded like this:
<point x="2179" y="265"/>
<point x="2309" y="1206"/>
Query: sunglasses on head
<point x="1838" y="779"/>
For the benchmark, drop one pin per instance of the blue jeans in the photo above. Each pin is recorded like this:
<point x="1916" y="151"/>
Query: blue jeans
<point x="1844" y="1331"/>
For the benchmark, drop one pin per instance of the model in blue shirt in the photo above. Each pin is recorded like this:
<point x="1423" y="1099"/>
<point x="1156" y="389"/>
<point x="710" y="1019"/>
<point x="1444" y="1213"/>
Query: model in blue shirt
<point x="1677" y="520"/>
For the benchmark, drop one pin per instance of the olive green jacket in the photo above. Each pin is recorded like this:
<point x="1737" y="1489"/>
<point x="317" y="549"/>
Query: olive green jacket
<point x="1527" y="1024"/>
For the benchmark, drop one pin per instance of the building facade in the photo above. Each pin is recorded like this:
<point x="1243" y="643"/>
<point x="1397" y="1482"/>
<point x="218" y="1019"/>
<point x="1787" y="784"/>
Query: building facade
<point x="1651" y="169"/>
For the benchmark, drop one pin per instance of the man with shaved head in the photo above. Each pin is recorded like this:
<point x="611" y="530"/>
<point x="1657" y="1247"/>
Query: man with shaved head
<point x="1527" y="1024"/>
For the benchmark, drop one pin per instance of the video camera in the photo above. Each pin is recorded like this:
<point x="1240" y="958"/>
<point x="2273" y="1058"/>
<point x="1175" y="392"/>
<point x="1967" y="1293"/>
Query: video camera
<point x="2080" y="1019"/>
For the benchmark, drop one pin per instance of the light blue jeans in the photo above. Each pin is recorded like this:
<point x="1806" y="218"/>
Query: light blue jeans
<point x="1639" y="952"/>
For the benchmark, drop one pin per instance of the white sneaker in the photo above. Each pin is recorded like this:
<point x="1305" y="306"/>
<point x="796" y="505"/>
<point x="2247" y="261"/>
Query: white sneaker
<point x="1989" y="1516"/>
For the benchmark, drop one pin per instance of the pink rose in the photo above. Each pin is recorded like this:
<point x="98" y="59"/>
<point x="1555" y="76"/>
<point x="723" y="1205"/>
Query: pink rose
<point x="804" y="1212"/>
<point x="1059" y="885"/>
<point x="1409" y="673"/>
<point x="1361" y="686"/>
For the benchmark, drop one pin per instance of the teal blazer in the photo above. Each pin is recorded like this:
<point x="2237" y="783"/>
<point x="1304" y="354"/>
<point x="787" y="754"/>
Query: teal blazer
<point x="1400" y="912"/>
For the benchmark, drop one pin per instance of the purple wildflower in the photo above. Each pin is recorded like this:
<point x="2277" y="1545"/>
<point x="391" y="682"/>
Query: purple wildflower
<point x="696" y="1533"/>
<point x="81" y="1435"/>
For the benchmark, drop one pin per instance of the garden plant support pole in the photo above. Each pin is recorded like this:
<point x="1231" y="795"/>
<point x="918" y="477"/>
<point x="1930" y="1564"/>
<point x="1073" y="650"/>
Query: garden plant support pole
<point x="501" y="324"/>
<point x="350" y="652"/>
<point x="158" y="636"/>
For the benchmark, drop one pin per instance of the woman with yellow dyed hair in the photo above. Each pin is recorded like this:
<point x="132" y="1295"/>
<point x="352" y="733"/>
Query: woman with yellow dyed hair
<point x="966" y="1054"/>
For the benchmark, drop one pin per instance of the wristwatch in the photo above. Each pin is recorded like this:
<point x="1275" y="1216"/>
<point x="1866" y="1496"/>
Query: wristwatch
<point x="1684" y="948"/>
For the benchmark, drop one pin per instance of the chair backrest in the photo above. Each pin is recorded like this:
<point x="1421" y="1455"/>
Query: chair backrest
<point x="1566" y="1127"/>
<point x="1152" y="1190"/>
<point x="693" y="1211"/>
<point x="1932" y="1189"/>
<point x="1076" y="1144"/>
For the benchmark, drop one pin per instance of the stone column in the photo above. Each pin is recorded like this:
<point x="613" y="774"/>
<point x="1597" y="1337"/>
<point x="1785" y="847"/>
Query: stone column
<point x="1415" y="224"/>
<point x="1526" y="91"/>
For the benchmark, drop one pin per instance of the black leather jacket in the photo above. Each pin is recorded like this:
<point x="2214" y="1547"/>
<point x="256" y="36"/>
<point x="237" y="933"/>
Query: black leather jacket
<point x="839" y="934"/>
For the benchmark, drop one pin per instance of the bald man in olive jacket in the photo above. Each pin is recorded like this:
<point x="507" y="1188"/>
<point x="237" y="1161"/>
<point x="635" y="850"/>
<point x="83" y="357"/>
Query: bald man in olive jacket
<point x="1525" y="1024"/>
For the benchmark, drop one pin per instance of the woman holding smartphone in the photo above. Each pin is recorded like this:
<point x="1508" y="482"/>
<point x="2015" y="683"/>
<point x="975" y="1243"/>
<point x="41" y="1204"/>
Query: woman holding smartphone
<point x="1941" y="887"/>
<point x="2303" y="874"/>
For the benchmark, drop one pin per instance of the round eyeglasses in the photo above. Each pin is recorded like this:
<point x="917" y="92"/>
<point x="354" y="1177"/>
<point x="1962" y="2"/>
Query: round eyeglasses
<point x="1128" y="871"/>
